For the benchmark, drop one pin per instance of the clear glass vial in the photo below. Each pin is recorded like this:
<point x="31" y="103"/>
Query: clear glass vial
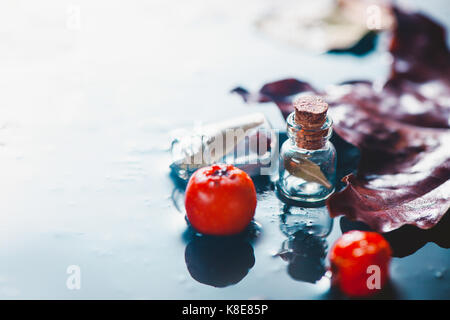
<point x="248" y="142"/>
<point x="307" y="169"/>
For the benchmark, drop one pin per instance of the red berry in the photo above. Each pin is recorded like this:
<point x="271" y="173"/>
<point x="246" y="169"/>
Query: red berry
<point x="360" y="263"/>
<point x="220" y="200"/>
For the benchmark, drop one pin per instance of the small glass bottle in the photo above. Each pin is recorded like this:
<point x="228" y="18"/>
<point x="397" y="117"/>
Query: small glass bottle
<point x="248" y="142"/>
<point x="307" y="170"/>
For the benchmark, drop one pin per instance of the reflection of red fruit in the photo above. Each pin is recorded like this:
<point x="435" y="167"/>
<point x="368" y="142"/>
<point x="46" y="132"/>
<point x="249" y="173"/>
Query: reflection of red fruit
<point x="220" y="200"/>
<point x="219" y="261"/>
<point x="356" y="257"/>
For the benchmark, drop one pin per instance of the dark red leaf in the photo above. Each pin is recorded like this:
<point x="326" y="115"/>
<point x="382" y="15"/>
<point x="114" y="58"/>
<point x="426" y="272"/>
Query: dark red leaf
<point x="402" y="131"/>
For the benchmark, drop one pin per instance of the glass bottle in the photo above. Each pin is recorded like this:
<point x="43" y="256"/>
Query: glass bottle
<point x="248" y="142"/>
<point x="307" y="170"/>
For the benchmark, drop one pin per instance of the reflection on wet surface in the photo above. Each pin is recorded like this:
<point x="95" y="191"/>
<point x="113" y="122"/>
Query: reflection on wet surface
<point x="219" y="262"/>
<point x="305" y="248"/>
<point x="305" y="254"/>
<point x="314" y="221"/>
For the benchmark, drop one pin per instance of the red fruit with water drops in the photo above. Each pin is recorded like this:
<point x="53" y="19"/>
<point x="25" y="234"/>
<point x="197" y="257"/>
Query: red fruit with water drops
<point x="220" y="200"/>
<point x="360" y="263"/>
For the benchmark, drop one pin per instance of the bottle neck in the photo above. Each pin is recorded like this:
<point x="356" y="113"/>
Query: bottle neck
<point x="307" y="138"/>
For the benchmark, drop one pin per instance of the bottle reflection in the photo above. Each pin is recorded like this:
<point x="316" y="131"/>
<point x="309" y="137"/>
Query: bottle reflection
<point x="219" y="261"/>
<point x="305" y="248"/>
<point x="315" y="221"/>
<point x="305" y="254"/>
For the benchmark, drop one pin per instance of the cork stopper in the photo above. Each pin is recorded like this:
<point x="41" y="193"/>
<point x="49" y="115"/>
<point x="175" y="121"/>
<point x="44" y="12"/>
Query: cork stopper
<point x="310" y="115"/>
<point x="310" y="111"/>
